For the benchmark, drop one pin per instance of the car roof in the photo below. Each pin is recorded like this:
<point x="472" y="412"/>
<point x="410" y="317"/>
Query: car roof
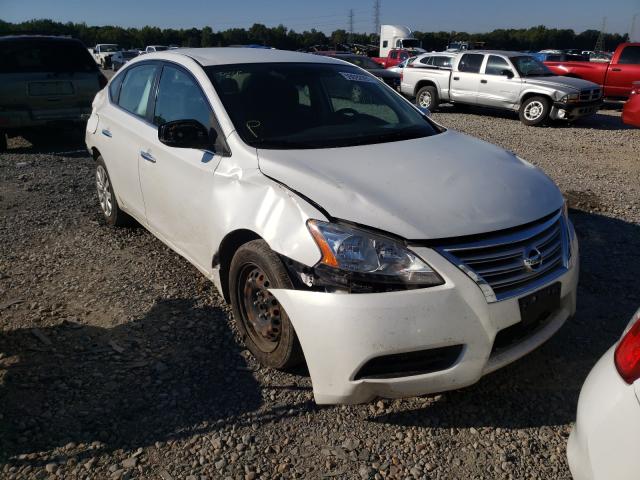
<point x="227" y="56"/>
<point x="8" y="38"/>
<point x="508" y="53"/>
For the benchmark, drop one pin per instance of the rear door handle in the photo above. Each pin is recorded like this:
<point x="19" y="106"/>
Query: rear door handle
<point x="106" y="133"/>
<point x="147" y="156"/>
<point x="616" y="69"/>
<point x="483" y="81"/>
<point x="456" y="78"/>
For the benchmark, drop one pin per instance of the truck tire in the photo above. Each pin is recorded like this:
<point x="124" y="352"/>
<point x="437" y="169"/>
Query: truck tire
<point x="427" y="97"/>
<point x="262" y="322"/>
<point x="534" y="111"/>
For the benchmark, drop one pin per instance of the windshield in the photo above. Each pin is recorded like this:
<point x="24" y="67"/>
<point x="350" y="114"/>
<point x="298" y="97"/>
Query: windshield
<point x="362" y="62"/>
<point x="129" y="54"/>
<point x="530" y="67"/>
<point x="109" y="48"/>
<point x="161" y="49"/>
<point x="313" y="105"/>
<point x="410" y="43"/>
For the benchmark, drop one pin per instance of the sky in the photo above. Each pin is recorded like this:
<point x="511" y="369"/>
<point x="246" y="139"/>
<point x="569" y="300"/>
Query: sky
<point x="328" y="15"/>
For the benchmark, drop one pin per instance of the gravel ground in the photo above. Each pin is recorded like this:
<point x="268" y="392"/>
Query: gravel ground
<point x="118" y="360"/>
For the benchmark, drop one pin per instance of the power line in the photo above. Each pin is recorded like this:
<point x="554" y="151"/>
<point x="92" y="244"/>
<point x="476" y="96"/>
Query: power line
<point x="351" y="26"/>
<point x="600" y="42"/>
<point x="376" y="17"/>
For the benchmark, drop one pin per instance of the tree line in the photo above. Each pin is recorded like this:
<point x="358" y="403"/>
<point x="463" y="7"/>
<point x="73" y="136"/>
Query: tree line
<point x="534" y="38"/>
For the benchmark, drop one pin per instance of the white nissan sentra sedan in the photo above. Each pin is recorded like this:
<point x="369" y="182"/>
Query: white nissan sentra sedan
<point x="605" y="442"/>
<point x="346" y="228"/>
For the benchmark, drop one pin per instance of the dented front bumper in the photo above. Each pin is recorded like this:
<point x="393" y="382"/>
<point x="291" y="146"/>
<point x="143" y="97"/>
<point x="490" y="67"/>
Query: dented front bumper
<point x="340" y="333"/>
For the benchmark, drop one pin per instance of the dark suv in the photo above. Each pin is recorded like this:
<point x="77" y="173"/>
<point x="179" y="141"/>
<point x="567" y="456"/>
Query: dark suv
<point x="44" y="81"/>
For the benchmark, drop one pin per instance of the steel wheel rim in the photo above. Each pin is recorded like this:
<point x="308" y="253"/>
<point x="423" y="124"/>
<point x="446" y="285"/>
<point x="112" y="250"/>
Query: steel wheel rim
<point x="104" y="190"/>
<point x="424" y="96"/>
<point x="261" y="314"/>
<point x="534" y="110"/>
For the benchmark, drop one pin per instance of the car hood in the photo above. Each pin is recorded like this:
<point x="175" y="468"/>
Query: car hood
<point x="563" y="82"/>
<point x="446" y="185"/>
<point x="384" y="73"/>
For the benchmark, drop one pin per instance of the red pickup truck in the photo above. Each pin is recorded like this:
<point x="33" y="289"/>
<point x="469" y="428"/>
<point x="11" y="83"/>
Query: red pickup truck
<point x="396" y="56"/>
<point x="615" y="77"/>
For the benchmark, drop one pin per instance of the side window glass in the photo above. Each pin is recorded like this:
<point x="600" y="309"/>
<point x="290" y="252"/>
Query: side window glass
<point x="426" y="60"/>
<point x="180" y="98"/>
<point x="136" y="88"/>
<point x="404" y="56"/>
<point x="385" y="44"/>
<point x="630" y="55"/>
<point x="114" y="87"/>
<point x="495" y="65"/>
<point x="471" y="62"/>
<point x="393" y="55"/>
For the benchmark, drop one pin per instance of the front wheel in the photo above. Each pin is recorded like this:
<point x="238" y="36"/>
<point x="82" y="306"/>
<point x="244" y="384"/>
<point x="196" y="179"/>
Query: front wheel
<point x="427" y="97"/>
<point x="534" y="111"/>
<point x="262" y="322"/>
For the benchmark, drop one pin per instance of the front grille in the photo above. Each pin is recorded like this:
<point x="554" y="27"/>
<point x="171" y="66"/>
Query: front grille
<point x="515" y="261"/>
<point x="590" y="95"/>
<point x="410" y="363"/>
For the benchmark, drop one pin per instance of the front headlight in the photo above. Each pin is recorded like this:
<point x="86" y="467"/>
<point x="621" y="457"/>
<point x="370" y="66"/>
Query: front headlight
<point x="352" y="257"/>
<point x="574" y="97"/>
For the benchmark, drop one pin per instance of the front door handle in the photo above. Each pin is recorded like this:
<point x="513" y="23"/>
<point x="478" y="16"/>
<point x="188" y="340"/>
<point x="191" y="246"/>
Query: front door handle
<point x="616" y="69"/>
<point x="483" y="81"/>
<point x="456" y="78"/>
<point x="106" y="133"/>
<point x="147" y="156"/>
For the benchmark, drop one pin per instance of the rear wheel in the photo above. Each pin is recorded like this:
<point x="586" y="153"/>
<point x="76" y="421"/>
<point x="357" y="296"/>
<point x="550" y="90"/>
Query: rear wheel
<point x="534" y="111"/>
<point x="427" y="97"/>
<point x="113" y="215"/>
<point x="261" y="320"/>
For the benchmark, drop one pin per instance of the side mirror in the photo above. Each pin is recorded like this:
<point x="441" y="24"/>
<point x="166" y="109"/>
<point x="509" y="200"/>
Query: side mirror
<point x="507" y="73"/>
<point x="187" y="134"/>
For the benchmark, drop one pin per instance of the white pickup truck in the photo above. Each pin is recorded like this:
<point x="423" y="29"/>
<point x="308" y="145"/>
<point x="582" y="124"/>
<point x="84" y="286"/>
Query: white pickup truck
<point x="102" y="53"/>
<point x="500" y="79"/>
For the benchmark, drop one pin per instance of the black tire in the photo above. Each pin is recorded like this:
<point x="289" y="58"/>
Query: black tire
<point x="113" y="215"/>
<point x="534" y="111"/>
<point x="272" y="340"/>
<point x="3" y="141"/>
<point x="427" y="97"/>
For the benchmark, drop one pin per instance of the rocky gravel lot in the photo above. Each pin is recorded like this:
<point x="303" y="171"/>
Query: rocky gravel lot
<point x="118" y="359"/>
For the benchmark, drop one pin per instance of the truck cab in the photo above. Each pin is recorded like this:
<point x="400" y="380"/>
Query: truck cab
<point x="396" y="36"/>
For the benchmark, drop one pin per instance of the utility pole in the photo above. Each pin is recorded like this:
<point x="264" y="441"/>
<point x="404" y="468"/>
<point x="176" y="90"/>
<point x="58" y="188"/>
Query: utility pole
<point x="351" y="26"/>
<point x="376" y="17"/>
<point x="600" y="42"/>
<point x="632" y="31"/>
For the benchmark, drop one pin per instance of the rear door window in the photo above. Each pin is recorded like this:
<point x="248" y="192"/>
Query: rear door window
<point x="136" y="89"/>
<point x="42" y="55"/>
<point x="471" y="62"/>
<point x="630" y="55"/>
<point x="496" y="65"/>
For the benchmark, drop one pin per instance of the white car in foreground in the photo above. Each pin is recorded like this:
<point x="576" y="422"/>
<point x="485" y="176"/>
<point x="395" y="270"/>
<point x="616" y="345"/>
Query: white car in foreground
<point x="346" y="228"/>
<point x="605" y="442"/>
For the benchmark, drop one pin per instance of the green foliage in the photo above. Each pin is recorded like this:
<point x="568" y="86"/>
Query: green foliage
<point x="535" y="38"/>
